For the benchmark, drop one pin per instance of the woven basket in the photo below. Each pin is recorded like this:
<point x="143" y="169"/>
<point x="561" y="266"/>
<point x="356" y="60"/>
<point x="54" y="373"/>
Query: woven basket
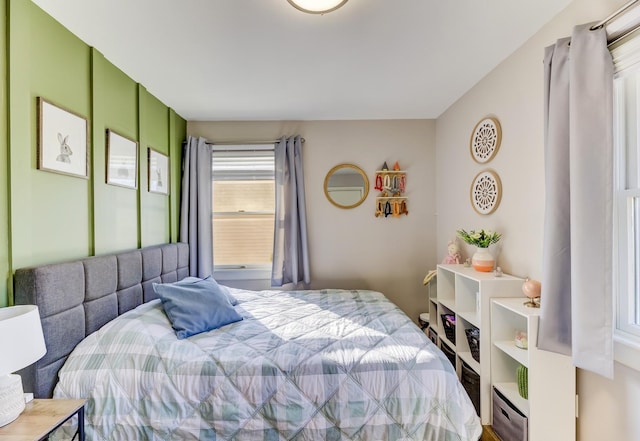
<point x="449" y="324"/>
<point x="473" y="338"/>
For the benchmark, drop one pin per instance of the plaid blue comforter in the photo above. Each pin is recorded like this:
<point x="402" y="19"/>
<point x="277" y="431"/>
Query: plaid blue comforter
<point x="302" y="365"/>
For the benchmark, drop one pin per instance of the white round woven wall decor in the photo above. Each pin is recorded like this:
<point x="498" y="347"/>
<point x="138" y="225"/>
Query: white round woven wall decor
<point x="485" y="140"/>
<point x="486" y="192"/>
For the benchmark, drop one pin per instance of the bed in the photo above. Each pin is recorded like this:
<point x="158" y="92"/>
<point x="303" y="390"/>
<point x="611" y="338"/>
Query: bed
<point x="300" y="365"/>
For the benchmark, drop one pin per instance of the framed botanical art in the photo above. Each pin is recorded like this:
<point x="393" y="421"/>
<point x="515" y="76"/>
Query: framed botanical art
<point x="158" y="172"/>
<point x="62" y="140"/>
<point x="122" y="160"/>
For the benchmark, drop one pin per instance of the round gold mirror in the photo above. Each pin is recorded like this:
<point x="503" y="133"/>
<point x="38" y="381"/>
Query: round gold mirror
<point x="346" y="186"/>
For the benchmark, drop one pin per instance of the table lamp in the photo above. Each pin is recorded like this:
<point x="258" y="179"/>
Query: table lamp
<point x="21" y="344"/>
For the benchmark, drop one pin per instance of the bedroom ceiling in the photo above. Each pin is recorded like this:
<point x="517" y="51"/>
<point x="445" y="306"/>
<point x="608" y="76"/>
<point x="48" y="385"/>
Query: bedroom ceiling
<point x="265" y="60"/>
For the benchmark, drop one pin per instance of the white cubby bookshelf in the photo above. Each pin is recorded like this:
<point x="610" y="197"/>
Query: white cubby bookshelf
<point x="550" y="407"/>
<point x="466" y="293"/>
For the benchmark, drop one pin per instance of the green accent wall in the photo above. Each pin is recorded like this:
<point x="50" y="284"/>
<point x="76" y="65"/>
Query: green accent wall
<point x="49" y="217"/>
<point x="177" y="133"/>
<point x="154" y="133"/>
<point x="115" y="107"/>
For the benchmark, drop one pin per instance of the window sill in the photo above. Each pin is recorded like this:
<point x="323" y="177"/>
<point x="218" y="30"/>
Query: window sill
<point x="242" y="274"/>
<point x="626" y="350"/>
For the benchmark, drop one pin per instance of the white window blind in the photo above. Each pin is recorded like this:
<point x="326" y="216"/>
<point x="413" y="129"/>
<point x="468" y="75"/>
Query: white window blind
<point x="243" y="207"/>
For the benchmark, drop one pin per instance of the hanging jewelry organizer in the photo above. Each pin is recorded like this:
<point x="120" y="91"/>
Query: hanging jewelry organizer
<point x="391" y="184"/>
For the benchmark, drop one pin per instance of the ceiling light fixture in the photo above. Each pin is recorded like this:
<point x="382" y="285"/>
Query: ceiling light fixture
<point x="317" y="6"/>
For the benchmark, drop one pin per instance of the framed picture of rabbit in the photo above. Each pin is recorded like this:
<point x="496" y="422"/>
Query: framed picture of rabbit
<point x="62" y="140"/>
<point x="158" y="172"/>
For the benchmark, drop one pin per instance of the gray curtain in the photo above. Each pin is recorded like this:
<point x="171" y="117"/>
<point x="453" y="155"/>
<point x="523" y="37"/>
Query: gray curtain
<point x="195" y="210"/>
<point x="290" y="248"/>
<point x="576" y="317"/>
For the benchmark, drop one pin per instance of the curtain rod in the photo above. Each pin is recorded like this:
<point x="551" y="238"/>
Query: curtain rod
<point x="614" y="14"/>
<point x="246" y="142"/>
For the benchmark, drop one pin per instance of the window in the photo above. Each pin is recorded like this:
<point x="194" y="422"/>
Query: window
<point x="626" y="201"/>
<point x="243" y="211"/>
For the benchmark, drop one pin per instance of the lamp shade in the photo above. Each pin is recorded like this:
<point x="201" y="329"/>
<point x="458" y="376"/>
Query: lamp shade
<point x="317" y="6"/>
<point x="21" y="339"/>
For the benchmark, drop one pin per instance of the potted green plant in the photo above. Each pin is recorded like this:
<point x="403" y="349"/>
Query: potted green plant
<point x="482" y="260"/>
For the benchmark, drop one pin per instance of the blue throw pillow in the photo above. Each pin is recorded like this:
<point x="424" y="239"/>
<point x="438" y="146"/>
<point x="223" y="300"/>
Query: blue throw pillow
<point x="194" y="307"/>
<point x="214" y="286"/>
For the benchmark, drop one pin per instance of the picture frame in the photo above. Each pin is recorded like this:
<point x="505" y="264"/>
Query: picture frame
<point x="158" y="172"/>
<point x="122" y="160"/>
<point x="62" y="140"/>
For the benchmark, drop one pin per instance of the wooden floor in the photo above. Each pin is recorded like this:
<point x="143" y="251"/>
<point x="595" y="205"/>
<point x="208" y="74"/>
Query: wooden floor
<point x="488" y="435"/>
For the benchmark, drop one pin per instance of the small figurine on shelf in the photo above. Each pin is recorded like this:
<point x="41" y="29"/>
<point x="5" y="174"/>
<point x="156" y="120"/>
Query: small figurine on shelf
<point x="395" y="211"/>
<point x="403" y="208"/>
<point x="387" y="209"/>
<point x="378" y="185"/>
<point x="531" y="289"/>
<point x="379" y="209"/>
<point x="453" y="251"/>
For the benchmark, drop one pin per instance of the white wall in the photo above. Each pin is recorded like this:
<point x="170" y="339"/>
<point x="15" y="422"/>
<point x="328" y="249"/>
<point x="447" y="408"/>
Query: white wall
<point x="514" y="93"/>
<point x="352" y="248"/>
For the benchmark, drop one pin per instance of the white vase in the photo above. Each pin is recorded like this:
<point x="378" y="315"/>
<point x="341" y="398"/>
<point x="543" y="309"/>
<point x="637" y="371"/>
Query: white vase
<point x="482" y="260"/>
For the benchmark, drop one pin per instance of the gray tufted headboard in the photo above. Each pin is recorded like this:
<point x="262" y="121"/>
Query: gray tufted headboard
<point x="77" y="298"/>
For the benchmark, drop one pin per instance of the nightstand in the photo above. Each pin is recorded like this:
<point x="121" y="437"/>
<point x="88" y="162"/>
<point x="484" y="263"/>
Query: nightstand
<point x="41" y="417"/>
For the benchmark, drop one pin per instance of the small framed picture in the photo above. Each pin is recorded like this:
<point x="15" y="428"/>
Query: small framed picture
<point x="62" y="140"/>
<point x="158" y="172"/>
<point x="122" y="160"/>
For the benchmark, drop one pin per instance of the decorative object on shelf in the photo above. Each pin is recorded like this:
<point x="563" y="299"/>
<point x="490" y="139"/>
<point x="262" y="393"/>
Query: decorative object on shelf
<point x="521" y="340"/>
<point x="22" y="345"/>
<point x="453" y="253"/>
<point x="532" y="289"/>
<point x="158" y="172"/>
<point x="486" y="192"/>
<point x="522" y="373"/>
<point x="317" y="6"/>
<point x="497" y="272"/>
<point x="482" y="260"/>
<point x="346" y="186"/>
<point x="392" y="184"/>
<point x="467" y="262"/>
<point x="473" y="338"/>
<point x="485" y="140"/>
<point x="122" y="160"/>
<point x="62" y="140"/>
